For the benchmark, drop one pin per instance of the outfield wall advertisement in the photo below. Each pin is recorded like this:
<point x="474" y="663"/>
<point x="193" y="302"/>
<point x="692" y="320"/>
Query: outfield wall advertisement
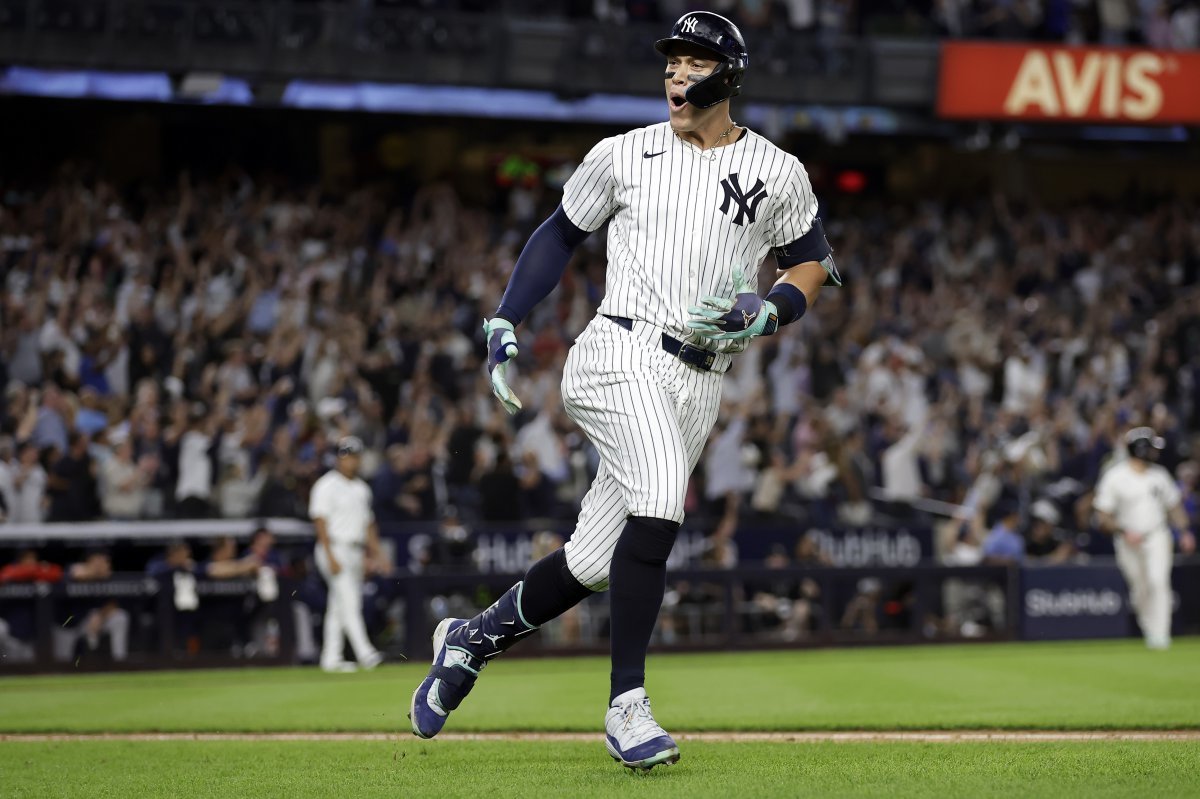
<point x="1061" y="602"/>
<point x="1068" y="84"/>
<point x="510" y="551"/>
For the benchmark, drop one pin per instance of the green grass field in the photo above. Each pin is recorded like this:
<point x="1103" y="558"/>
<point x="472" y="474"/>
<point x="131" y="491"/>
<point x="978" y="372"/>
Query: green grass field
<point x="1065" y="686"/>
<point x="409" y="768"/>
<point x="1086" y="685"/>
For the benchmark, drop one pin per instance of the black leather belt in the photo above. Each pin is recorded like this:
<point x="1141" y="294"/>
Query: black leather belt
<point x="688" y="353"/>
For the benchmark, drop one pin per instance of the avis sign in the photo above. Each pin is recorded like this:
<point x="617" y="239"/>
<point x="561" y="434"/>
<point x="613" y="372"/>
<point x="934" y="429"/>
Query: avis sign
<point x="1084" y="84"/>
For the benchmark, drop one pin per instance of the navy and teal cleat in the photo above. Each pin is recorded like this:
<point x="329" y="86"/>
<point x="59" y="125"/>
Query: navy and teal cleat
<point x="633" y="737"/>
<point x="461" y="648"/>
<point x="450" y="679"/>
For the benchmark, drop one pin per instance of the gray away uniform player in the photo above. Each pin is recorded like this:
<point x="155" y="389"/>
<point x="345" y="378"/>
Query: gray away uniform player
<point x="1136" y="499"/>
<point x="693" y="205"/>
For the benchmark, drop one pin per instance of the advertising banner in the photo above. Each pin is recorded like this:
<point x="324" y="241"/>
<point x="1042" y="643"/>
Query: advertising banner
<point x="1068" y="84"/>
<point x="1073" y="602"/>
<point x="510" y="550"/>
<point x="1093" y="602"/>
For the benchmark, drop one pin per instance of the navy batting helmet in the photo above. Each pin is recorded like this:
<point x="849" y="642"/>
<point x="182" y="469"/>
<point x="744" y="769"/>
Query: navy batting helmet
<point x="1143" y="444"/>
<point x="349" y="445"/>
<point x="721" y="37"/>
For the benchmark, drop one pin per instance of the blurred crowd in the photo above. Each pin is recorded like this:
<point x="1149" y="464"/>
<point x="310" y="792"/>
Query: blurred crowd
<point x="399" y="25"/>
<point x="1165" y="24"/>
<point x="193" y="350"/>
<point x="102" y="623"/>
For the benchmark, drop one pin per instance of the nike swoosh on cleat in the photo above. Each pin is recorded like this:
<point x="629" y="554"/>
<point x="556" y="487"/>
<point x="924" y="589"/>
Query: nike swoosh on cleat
<point x="514" y="621"/>
<point x="651" y="155"/>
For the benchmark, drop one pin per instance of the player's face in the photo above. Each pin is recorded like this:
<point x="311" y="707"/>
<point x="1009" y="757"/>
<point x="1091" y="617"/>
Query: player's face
<point x="686" y="65"/>
<point x="348" y="464"/>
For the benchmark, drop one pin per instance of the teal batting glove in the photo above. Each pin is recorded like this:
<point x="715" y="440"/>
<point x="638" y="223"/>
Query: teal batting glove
<point x="744" y="316"/>
<point x="502" y="348"/>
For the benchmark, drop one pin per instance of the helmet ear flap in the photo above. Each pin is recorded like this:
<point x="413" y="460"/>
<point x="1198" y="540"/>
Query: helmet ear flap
<point x="721" y="84"/>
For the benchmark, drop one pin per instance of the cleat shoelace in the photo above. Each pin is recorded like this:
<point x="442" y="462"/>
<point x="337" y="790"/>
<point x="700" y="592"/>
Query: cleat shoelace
<point x="638" y="721"/>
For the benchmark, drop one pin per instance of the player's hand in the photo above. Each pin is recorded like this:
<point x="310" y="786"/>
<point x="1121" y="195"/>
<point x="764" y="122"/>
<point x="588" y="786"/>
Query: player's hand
<point x="744" y="316"/>
<point x="502" y="348"/>
<point x="725" y="346"/>
<point x="1134" y="539"/>
<point x="335" y="568"/>
<point x="1187" y="542"/>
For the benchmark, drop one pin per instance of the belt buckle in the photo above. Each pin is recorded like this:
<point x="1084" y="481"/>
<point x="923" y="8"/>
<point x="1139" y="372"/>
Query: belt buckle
<point x="697" y="356"/>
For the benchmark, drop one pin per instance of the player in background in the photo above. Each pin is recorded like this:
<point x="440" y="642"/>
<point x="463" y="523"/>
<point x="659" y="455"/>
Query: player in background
<point x="1135" y="499"/>
<point x="693" y="206"/>
<point x="340" y="507"/>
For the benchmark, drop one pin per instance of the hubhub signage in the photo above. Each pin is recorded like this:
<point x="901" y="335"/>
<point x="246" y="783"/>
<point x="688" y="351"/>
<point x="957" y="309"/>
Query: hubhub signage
<point x="1068" y="84"/>
<point x="1073" y="602"/>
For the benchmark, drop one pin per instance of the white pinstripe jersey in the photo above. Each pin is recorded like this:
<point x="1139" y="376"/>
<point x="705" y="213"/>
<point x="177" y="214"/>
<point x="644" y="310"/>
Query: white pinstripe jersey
<point x="682" y="219"/>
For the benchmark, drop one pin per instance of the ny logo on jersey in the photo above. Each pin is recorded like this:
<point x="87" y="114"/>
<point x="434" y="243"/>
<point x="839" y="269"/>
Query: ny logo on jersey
<point x="689" y="25"/>
<point x="747" y="202"/>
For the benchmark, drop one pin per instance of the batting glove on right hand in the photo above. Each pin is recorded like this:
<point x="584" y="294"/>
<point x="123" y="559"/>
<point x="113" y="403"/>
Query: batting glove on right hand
<point x="502" y="348"/>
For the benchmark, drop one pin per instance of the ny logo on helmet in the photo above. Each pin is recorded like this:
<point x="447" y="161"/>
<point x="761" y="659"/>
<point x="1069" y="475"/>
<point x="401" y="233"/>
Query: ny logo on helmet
<point x="747" y="201"/>
<point x="689" y="25"/>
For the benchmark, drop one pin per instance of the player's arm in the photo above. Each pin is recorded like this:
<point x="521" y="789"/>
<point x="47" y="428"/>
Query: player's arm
<point x="807" y="278"/>
<point x="540" y="266"/>
<point x="587" y="203"/>
<point x="805" y="265"/>
<point x="1105" y="503"/>
<point x="323" y="542"/>
<point x="539" y="269"/>
<point x="1180" y="521"/>
<point x="318" y="509"/>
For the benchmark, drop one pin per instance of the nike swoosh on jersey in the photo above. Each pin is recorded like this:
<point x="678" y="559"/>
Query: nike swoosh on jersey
<point x="651" y="155"/>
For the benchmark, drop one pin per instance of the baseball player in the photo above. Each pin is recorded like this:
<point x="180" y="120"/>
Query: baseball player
<point x="693" y="205"/>
<point x="1135" y="499"/>
<point x="340" y="507"/>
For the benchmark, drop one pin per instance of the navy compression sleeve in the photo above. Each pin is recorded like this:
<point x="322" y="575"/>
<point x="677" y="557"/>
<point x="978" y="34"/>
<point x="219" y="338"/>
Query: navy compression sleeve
<point x="540" y="266"/>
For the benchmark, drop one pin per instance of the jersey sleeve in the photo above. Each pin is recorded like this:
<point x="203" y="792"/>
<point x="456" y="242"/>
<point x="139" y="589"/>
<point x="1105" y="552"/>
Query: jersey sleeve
<point x="1105" y="499"/>
<point x="794" y="210"/>
<point x="589" y="195"/>
<point x="1171" y="495"/>
<point x="318" y="501"/>
<point x="795" y="229"/>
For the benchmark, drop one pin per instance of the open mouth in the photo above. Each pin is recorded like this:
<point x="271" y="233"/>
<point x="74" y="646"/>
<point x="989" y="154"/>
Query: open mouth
<point x="678" y="101"/>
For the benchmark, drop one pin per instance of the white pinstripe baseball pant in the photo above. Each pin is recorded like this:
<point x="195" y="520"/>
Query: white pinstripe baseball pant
<point x="648" y="414"/>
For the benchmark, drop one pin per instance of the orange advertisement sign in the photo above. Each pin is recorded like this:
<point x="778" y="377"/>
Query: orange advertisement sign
<point x="1068" y="84"/>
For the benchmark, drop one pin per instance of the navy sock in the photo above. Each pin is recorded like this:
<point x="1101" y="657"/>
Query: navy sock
<point x="550" y="589"/>
<point x="636" y="583"/>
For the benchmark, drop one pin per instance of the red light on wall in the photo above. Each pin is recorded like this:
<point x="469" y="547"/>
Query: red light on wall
<point x="851" y="181"/>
